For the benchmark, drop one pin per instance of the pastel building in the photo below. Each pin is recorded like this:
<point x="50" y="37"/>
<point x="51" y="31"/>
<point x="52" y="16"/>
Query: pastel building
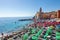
<point x="45" y="15"/>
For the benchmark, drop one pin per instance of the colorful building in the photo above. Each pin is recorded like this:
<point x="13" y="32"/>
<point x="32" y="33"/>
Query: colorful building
<point x="45" y="15"/>
<point x="58" y="14"/>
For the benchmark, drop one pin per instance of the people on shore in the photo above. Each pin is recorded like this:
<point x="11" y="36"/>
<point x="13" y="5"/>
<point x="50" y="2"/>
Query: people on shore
<point x="34" y="25"/>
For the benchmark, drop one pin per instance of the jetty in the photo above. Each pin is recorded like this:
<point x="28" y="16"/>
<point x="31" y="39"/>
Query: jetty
<point x="25" y="19"/>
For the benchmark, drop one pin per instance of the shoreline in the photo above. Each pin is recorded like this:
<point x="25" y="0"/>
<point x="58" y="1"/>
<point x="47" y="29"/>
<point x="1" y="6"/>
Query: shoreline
<point x="22" y="31"/>
<point x="14" y="32"/>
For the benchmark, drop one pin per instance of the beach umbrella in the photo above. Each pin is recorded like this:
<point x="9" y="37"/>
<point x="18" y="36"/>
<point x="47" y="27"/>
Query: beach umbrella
<point x="50" y="23"/>
<point x="58" y="26"/>
<point x="58" y="37"/>
<point x="25" y="36"/>
<point x="34" y="38"/>
<point x="51" y="27"/>
<point x="33" y="31"/>
<point x="39" y="24"/>
<point x="58" y="23"/>
<point x="57" y="33"/>
<point x="39" y="32"/>
<point x="53" y="23"/>
<point x="37" y="35"/>
<point x="44" y="24"/>
<point x="48" y="32"/>
<point x="45" y="38"/>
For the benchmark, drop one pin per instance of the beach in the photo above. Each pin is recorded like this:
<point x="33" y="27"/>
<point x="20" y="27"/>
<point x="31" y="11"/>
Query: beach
<point x="31" y="30"/>
<point x="9" y="25"/>
<point x="25" y="30"/>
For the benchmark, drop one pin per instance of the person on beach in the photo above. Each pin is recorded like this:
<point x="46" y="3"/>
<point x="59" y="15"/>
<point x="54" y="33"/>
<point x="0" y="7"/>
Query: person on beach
<point x="2" y="36"/>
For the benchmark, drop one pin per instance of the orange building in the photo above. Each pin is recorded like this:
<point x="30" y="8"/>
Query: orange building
<point x="53" y="14"/>
<point x="44" y="16"/>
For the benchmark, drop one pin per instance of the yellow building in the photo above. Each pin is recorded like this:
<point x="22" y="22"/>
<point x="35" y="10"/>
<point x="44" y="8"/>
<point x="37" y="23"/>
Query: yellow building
<point x="38" y="14"/>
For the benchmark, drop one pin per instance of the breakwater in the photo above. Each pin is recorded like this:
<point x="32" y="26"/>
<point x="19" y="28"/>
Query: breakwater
<point x="25" y="19"/>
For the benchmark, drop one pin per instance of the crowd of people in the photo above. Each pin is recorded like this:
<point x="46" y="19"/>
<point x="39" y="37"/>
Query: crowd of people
<point x="38" y="24"/>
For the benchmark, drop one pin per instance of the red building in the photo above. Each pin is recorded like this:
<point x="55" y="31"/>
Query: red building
<point x="58" y="14"/>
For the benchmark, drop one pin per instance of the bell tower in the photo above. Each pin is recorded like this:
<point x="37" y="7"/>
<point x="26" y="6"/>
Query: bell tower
<point x="40" y="10"/>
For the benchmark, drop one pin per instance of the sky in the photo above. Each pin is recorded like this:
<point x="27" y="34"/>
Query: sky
<point x="26" y="8"/>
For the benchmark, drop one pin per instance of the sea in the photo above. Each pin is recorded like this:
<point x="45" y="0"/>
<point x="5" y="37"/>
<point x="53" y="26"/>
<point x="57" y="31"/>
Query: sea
<point x="10" y="24"/>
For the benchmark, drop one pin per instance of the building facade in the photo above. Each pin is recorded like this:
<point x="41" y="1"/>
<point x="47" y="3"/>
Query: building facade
<point x="45" y="15"/>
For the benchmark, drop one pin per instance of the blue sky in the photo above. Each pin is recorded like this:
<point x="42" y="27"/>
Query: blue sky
<point x="25" y="8"/>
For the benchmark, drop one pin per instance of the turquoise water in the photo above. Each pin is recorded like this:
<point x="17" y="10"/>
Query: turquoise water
<point x="9" y="24"/>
